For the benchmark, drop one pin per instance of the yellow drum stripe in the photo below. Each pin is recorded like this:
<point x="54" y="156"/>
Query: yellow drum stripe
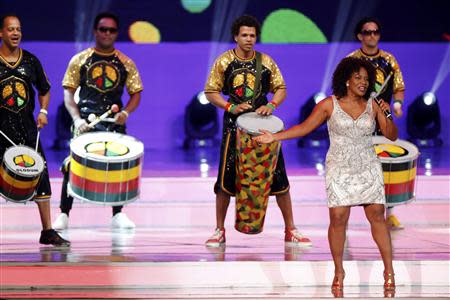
<point x="16" y="182"/>
<point x="102" y="175"/>
<point x="399" y="176"/>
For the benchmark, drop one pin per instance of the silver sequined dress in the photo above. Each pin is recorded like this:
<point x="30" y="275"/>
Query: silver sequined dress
<point x="353" y="171"/>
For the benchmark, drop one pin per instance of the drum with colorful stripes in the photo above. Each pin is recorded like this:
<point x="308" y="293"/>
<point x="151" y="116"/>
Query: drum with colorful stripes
<point x="255" y="165"/>
<point x="105" y="168"/>
<point x="399" y="162"/>
<point x="20" y="171"/>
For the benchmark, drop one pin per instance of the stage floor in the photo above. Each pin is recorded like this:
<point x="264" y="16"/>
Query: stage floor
<point x="165" y="256"/>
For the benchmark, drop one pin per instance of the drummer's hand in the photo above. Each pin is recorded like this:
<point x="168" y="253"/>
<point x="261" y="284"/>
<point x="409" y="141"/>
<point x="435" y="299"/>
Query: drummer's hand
<point x="264" y="110"/>
<point x="80" y="125"/>
<point x="120" y="118"/>
<point x="240" y="108"/>
<point x="265" y="138"/>
<point x="42" y="120"/>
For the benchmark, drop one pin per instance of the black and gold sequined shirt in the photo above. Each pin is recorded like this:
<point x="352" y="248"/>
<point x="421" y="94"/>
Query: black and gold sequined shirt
<point x="18" y="97"/>
<point x="102" y="79"/>
<point x="385" y="64"/>
<point x="235" y="77"/>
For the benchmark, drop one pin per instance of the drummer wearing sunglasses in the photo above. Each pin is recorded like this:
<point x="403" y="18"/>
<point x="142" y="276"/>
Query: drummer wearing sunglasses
<point x="368" y="32"/>
<point x="101" y="73"/>
<point x="20" y="71"/>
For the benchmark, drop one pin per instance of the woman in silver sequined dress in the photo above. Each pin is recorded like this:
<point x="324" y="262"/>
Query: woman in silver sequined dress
<point x="353" y="171"/>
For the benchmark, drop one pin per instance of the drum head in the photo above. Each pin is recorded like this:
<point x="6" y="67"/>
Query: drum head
<point x="23" y="161"/>
<point x="394" y="151"/>
<point x="107" y="146"/>
<point x="252" y="123"/>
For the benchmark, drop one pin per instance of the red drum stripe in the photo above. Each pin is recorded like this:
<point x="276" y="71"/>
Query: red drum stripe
<point x="400" y="188"/>
<point x="5" y="186"/>
<point x="101" y="187"/>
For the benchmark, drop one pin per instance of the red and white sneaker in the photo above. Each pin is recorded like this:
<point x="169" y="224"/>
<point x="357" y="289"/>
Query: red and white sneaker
<point x="217" y="239"/>
<point x="293" y="237"/>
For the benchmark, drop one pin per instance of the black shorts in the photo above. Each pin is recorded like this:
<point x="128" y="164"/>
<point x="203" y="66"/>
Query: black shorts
<point x="226" y="178"/>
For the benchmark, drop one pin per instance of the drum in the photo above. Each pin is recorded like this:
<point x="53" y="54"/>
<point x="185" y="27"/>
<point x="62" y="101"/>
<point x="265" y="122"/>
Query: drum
<point x="20" y="171"/>
<point x="105" y="168"/>
<point x="255" y="165"/>
<point x="399" y="162"/>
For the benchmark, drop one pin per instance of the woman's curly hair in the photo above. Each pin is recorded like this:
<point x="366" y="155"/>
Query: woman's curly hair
<point x="344" y="72"/>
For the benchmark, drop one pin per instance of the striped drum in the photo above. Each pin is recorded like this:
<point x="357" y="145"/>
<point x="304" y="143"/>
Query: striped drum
<point x="399" y="161"/>
<point x="20" y="172"/>
<point x="105" y="168"/>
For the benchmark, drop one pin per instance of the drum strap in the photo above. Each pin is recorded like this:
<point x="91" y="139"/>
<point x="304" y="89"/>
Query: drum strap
<point x="257" y="76"/>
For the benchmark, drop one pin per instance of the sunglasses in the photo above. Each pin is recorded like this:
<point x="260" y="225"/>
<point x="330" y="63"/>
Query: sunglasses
<point x="370" y="32"/>
<point x="106" y="29"/>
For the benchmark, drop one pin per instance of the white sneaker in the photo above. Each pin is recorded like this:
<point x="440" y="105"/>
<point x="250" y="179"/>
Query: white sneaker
<point x="61" y="222"/>
<point x="120" y="221"/>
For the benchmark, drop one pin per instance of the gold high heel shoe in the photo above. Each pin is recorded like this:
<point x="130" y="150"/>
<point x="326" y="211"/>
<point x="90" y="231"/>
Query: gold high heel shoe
<point x="389" y="281"/>
<point x="337" y="287"/>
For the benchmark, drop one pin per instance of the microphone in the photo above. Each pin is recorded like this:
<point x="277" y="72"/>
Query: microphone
<point x="387" y="113"/>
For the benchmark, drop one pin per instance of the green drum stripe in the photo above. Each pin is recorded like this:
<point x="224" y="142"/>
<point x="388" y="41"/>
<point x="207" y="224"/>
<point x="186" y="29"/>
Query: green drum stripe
<point x="400" y="198"/>
<point x="100" y="197"/>
<point x="110" y="166"/>
<point x="392" y="167"/>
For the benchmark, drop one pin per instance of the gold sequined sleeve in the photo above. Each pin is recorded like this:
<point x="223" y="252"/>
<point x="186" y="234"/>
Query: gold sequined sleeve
<point x="134" y="81"/>
<point x="72" y="75"/>
<point x="399" y="84"/>
<point x="216" y="77"/>
<point x="276" y="79"/>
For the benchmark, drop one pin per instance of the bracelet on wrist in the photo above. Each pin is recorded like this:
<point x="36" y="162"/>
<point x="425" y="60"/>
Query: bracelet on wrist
<point x="125" y="113"/>
<point x="43" y="111"/>
<point x="271" y="105"/>
<point x="227" y="106"/>
<point x="399" y="101"/>
<point x="232" y="108"/>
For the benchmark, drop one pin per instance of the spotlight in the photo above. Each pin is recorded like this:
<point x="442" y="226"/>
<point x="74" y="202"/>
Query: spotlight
<point x="319" y="97"/>
<point x="201" y="123"/>
<point x="318" y="137"/>
<point x="429" y="98"/>
<point x="424" y="120"/>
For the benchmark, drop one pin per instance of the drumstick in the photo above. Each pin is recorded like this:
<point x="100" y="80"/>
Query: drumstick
<point x="375" y="95"/>
<point x="6" y="137"/>
<point x="383" y="85"/>
<point x="114" y="108"/>
<point x="37" y="139"/>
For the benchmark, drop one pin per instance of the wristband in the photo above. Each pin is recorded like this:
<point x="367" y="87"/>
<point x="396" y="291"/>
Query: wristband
<point x="232" y="108"/>
<point x="399" y="101"/>
<point x="43" y="111"/>
<point x="125" y="112"/>
<point x="227" y="106"/>
<point x="271" y="105"/>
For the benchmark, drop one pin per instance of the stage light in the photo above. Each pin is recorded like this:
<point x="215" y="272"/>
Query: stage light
<point x="429" y="98"/>
<point x="202" y="98"/>
<point x="201" y="122"/>
<point x="318" y="137"/>
<point x="424" y="120"/>
<point x="319" y="97"/>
